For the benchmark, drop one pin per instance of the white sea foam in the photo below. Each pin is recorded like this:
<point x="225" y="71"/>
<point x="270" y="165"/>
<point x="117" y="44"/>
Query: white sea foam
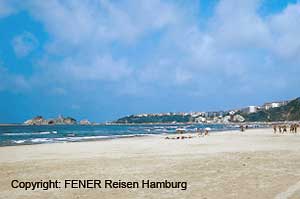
<point x="43" y="133"/>
<point x="77" y="139"/>
<point x="12" y="134"/>
<point x="40" y="140"/>
<point x="19" y="141"/>
<point x="32" y="133"/>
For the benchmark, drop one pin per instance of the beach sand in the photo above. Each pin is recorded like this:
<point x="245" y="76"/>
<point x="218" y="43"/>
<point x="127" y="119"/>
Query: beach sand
<point x="253" y="164"/>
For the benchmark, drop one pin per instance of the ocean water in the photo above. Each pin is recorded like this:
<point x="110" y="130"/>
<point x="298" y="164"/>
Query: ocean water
<point x="18" y="135"/>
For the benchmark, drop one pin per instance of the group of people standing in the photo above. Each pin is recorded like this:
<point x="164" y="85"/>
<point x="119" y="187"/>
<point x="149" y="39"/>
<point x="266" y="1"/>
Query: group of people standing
<point x="283" y="128"/>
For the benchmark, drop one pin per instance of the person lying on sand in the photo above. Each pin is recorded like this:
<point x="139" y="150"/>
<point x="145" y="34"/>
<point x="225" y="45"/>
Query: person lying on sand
<point x="178" y="137"/>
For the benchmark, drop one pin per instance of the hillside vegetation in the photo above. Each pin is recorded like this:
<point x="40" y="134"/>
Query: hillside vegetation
<point x="289" y="112"/>
<point x="155" y="119"/>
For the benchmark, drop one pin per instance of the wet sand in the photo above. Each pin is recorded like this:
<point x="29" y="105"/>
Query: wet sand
<point x="253" y="164"/>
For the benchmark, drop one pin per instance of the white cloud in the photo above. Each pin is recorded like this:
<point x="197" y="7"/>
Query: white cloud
<point x="75" y="107"/>
<point x="236" y="24"/>
<point x="24" y="44"/>
<point x="82" y="34"/>
<point x="12" y="82"/>
<point x="101" y="22"/>
<point x="97" y="68"/>
<point x="286" y="29"/>
<point x="7" y="7"/>
<point x="59" y="91"/>
<point x="182" y="76"/>
<point x="231" y="49"/>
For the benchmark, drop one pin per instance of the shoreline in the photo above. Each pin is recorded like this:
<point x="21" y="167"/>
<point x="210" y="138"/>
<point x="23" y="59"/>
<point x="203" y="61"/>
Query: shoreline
<point x="84" y="140"/>
<point x="167" y="123"/>
<point x="162" y="136"/>
<point x="126" y="136"/>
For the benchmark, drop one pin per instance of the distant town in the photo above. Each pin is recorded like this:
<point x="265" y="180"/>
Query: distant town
<point x="287" y="110"/>
<point x="234" y="115"/>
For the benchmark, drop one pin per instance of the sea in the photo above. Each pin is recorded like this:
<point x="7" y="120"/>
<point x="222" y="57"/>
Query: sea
<point x="22" y="134"/>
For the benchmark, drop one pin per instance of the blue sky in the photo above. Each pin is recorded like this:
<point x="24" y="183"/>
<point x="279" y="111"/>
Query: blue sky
<point x="100" y="59"/>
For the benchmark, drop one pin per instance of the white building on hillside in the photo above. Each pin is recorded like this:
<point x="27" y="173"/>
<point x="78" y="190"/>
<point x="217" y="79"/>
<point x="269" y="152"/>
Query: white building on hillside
<point x="269" y="105"/>
<point x="250" y="109"/>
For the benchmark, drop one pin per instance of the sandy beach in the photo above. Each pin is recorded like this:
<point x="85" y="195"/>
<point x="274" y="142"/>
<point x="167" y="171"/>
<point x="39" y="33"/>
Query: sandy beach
<point x="251" y="164"/>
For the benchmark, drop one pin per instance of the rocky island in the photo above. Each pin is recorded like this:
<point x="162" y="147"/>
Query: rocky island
<point x="60" y="120"/>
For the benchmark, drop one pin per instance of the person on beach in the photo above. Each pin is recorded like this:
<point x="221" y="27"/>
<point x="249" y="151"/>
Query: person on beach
<point x="275" y="129"/>
<point x="292" y="128"/>
<point x="284" y="129"/>
<point x="280" y="129"/>
<point x="206" y="131"/>
<point x="242" y="128"/>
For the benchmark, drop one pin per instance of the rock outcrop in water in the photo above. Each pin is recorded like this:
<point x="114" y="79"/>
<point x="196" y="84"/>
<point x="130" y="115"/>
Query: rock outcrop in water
<point x="39" y="120"/>
<point x="85" y="122"/>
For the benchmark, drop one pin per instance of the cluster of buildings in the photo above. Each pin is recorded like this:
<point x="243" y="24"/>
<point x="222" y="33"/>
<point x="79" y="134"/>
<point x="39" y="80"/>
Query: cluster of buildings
<point x="220" y="116"/>
<point x="192" y="114"/>
<point x="265" y="106"/>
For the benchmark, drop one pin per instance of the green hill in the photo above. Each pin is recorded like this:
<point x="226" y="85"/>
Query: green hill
<point x="155" y="119"/>
<point x="289" y="112"/>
